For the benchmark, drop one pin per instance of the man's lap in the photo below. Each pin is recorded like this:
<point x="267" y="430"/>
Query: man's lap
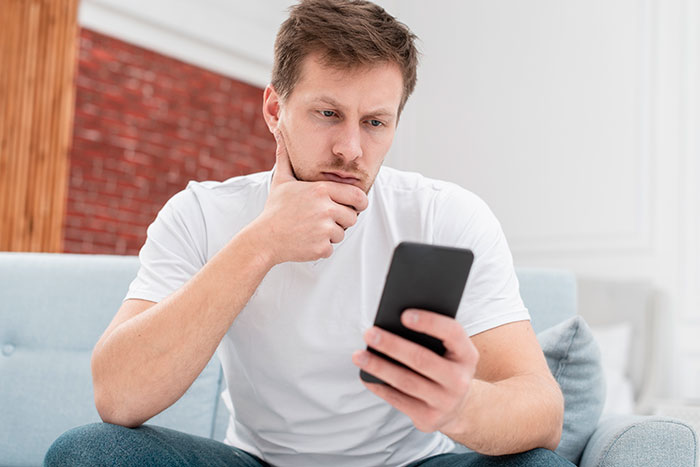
<point x="106" y="444"/>
<point x="113" y="445"/>
<point x="534" y="458"/>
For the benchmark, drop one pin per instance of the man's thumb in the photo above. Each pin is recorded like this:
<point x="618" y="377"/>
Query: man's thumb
<point x="283" y="167"/>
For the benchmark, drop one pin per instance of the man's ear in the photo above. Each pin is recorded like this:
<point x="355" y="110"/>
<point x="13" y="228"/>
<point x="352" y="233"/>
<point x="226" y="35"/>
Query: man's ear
<point x="271" y="108"/>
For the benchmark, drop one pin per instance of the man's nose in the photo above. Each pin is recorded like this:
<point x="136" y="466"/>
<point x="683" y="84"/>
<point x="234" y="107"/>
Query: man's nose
<point x="348" y="143"/>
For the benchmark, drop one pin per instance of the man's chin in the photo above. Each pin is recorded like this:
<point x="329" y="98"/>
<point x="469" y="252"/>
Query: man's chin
<point x="361" y="183"/>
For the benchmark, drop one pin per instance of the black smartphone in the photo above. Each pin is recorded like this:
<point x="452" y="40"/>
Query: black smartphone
<point x="423" y="276"/>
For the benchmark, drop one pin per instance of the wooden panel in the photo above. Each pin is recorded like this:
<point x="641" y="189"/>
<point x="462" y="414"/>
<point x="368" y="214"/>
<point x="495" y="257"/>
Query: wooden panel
<point x="38" y="40"/>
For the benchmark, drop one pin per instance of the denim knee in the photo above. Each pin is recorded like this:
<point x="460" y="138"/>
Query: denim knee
<point x="93" y="444"/>
<point x="542" y="457"/>
<point x="117" y="446"/>
<point x="107" y="444"/>
<point x="535" y="458"/>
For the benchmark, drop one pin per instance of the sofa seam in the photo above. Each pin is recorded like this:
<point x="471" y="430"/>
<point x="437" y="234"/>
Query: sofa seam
<point x="607" y="450"/>
<point x="695" y="451"/>
<point x="217" y="399"/>
<point x="564" y="361"/>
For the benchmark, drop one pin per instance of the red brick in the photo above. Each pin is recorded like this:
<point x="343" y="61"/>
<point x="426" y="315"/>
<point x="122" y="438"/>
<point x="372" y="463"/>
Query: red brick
<point x="146" y="124"/>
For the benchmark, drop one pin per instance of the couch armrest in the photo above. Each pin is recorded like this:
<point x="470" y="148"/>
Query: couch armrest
<point x="642" y="441"/>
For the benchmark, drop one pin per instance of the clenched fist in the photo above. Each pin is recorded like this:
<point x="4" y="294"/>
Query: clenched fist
<point x="301" y="220"/>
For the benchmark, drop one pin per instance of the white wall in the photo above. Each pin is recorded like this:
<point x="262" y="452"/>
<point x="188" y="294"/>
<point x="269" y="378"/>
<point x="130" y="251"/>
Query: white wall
<point x="576" y="121"/>
<point x="232" y="37"/>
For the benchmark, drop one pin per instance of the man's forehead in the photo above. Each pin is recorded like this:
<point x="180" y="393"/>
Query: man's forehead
<point x="375" y="88"/>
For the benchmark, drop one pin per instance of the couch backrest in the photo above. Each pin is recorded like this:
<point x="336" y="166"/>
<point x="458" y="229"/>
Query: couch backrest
<point x="53" y="309"/>
<point x="549" y="294"/>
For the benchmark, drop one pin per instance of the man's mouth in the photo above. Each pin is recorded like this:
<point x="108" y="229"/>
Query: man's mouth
<point x="341" y="177"/>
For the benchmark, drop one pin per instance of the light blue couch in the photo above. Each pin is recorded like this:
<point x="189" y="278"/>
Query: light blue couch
<point x="54" y="307"/>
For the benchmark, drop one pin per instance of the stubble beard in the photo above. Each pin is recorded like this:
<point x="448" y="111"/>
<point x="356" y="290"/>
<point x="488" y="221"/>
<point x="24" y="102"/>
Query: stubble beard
<point x="337" y="163"/>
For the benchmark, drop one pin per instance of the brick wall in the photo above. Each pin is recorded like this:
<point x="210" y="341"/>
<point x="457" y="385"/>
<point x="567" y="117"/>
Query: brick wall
<point x="145" y="125"/>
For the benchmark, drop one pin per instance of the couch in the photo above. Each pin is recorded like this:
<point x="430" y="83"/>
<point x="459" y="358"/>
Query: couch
<point x="54" y="307"/>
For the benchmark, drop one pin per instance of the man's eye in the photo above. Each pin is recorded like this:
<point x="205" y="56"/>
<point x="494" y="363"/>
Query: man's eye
<point x="375" y="123"/>
<point x="328" y="113"/>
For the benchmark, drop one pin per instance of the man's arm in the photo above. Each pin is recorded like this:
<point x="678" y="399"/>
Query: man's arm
<point x="493" y="393"/>
<point x="152" y="352"/>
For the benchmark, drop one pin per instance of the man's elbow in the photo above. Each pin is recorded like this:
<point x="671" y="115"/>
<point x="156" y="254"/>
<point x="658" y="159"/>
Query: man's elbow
<point x="552" y="443"/>
<point x="110" y="407"/>
<point x="114" y="413"/>
<point x="557" y="424"/>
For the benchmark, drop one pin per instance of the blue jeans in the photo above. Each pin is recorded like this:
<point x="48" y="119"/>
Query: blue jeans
<point x="102" y="444"/>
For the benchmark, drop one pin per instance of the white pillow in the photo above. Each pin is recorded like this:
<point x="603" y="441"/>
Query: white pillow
<point x="614" y="343"/>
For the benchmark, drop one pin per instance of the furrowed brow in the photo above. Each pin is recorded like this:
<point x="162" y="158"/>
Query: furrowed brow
<point x="327" y="101"/>
<point x="380" y="112"/>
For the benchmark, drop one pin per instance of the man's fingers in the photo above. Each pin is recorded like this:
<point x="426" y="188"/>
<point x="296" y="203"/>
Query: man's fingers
<point x="337" y="234"/>
<point x="418" y="358"/>
<point x="447" y="329"/>
<point x="283" y="167"/>
<point x="344" y="216"/>
<point x="405" y="380"/>
<point x="411" y="406"/>
<point x="347" y="195"/>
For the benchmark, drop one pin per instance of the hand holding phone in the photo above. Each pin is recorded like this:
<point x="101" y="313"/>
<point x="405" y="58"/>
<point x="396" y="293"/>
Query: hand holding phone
<point x="422" y="276"/>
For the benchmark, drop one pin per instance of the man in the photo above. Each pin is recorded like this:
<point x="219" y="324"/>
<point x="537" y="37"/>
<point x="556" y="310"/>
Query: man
<point x="282" y="273"/>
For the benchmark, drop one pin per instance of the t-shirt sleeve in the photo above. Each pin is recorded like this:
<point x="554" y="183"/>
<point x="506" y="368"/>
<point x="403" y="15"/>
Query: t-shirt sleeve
<point x="174" y="249"/>
<point x="492" y="294"/>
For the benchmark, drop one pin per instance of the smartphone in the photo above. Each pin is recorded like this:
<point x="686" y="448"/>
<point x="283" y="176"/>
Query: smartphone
<point x="423" y="276"/>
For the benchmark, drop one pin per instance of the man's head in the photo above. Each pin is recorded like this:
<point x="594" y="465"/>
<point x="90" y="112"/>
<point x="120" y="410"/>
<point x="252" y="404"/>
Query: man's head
<point x="343" y="71"/>
<point x="347" y="34"/>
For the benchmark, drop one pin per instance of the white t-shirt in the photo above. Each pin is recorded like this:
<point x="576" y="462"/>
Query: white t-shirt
<point x="297" y="399"/>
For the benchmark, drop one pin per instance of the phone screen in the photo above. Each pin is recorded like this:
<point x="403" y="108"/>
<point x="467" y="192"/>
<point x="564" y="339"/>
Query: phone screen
<point x="423" y="276"/>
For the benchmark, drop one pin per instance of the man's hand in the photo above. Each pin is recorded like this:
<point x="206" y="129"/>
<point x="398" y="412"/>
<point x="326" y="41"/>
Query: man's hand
<point x="301" y="220"/>
<point x="434" y="394"/>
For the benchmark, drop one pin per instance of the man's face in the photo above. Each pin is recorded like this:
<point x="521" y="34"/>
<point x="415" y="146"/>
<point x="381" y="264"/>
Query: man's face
<point x="338" y="125"/>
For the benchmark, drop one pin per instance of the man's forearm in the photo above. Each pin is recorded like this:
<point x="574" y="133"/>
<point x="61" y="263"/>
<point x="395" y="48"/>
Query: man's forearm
<point x="146" y="363"/>
<point x="513" y="415"/>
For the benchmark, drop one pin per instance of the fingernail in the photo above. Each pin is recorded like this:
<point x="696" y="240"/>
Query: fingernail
<point x="361" y="358"/>
<point x="373" y="337"/>
<point x="411" y="317"/>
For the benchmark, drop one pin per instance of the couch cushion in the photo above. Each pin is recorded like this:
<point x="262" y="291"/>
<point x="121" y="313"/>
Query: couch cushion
<point x="641" y="441"/>
<point x="574" y="360"/>
<point x="53" y="309"/>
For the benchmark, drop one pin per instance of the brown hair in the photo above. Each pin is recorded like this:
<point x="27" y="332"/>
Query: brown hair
<point x="348" y="34"/>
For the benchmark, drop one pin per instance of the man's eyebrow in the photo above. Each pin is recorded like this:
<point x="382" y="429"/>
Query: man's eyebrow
<point x="334" y="103"/>
<point x="327" y="100"/>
